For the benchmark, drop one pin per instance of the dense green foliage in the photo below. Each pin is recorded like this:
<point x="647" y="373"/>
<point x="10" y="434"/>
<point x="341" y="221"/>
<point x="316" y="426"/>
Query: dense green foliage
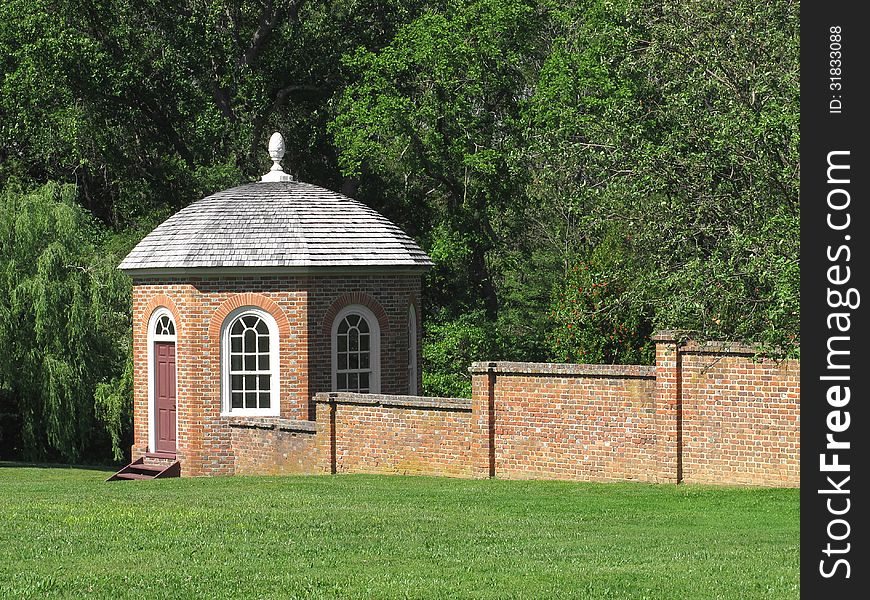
<point x="64" y="324"/>
<point x="148" y="106"/>
<point x="709" y="145"/>
<point x="592" y="322"/>
<point x="581" y="173"/>
<point x="68" y="535"/>
<point x="652" y="139"/>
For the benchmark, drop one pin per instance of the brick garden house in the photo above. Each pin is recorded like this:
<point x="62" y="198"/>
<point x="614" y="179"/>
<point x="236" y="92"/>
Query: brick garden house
<point x="250" y="301"/>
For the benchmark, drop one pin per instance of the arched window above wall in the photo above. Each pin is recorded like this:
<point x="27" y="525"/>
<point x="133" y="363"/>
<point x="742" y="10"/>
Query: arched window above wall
<point x="250" y="363"/>
<point x="356" y="346"/>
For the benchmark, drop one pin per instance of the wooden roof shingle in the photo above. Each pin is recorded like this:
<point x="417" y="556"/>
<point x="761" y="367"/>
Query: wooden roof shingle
<point x="276" y="225"/>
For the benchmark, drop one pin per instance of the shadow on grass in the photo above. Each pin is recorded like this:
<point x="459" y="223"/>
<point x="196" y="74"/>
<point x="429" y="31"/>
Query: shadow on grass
<point x="4" y="464"/>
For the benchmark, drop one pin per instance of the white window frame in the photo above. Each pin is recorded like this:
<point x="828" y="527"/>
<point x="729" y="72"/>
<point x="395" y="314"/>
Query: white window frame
<point x="274" y="365"/>
<point x="374" y="345"/>
<point x="412" y="350"/>
<point x="152" y="372"/>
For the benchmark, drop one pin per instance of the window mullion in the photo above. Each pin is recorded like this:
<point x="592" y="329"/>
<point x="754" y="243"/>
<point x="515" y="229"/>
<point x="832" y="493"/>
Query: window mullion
<point x="247" y="338"/>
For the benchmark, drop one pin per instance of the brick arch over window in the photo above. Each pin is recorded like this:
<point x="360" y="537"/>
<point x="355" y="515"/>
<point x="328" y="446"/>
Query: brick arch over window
<point x="247" y="299"/>
<point x="355" y="298"/>
<point x="162" y="301"/>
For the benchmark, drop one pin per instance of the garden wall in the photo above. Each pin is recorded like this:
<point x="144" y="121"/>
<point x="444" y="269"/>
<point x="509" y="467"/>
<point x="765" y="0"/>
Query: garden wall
<point x="705" y="413"/>
<point x="740" y="418"/>
<point x="273" y="446"/>
<point x="372" y="433"/>
<point x="581" y="422"/>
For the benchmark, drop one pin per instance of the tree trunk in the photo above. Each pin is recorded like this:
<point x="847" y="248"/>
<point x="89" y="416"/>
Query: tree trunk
<point x="480" y="273"/>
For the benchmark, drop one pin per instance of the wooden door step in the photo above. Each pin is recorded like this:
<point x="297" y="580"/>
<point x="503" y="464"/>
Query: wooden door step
<point x="133" y="476"/>
<point x="139" y="469"/>
<point x="166" y="455"/>
<point x="144" y="466"/>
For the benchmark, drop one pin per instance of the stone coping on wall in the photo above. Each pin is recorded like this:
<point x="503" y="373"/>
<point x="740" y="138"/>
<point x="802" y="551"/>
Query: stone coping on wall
<point x="714" y="347"/>
<point x="273" y="423"/>
<point x="688" y="345"/>
<point x="421" y="402"/>
<point x="564" y="369"/>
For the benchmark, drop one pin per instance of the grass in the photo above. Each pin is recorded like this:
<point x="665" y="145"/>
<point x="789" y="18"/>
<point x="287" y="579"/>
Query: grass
<point x="64" y="533"/>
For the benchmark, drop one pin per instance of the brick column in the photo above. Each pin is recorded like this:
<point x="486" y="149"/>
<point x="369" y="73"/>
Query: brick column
<point x="668" y="407"/>
<point x="325" y="442"/>
<point x="483" y="419"/>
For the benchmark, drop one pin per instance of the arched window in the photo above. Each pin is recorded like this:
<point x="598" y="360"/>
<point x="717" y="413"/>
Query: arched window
<point x="412" y="351"/>
<point x="356" y="351"/>
<point x="250" y="359"/>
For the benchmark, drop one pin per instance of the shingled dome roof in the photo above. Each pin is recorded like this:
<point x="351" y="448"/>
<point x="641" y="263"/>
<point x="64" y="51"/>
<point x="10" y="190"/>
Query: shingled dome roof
<point x="278" y="225"/>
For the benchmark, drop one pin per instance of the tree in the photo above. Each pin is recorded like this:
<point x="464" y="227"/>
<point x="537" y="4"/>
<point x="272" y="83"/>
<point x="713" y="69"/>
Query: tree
<point x="717" y="175"/>
<point x="692" y="150"/>
<point x="438" y="109"/>
<point x="148" y="107"/>
<point x="64" y="321"/>
<point x="592" y="322"/>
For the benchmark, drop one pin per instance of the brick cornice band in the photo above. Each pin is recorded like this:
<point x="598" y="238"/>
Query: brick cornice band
<point x="421" y="402"/>
<point x="273" y="423"/>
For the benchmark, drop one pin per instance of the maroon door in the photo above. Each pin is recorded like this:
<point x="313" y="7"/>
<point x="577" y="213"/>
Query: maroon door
<point x="165" y="397"/>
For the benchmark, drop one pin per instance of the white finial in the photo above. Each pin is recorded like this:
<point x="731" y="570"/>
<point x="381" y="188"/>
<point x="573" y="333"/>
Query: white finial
<point x="276" y="152"/>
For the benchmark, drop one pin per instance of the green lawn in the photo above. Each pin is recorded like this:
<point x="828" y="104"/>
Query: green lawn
<point x="65" y="533"/>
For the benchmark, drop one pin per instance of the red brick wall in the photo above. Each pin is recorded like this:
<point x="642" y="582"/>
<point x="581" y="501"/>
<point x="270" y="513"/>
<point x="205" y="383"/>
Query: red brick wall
<point x="199" y="306"/>
<point x="706" y="413"/>
<point x="580" y="422"/>
<point x="369" y="433"/>
<point x="740" y="418"/>
<point x="269" y="446"/>
<point x="300" y="305"/>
